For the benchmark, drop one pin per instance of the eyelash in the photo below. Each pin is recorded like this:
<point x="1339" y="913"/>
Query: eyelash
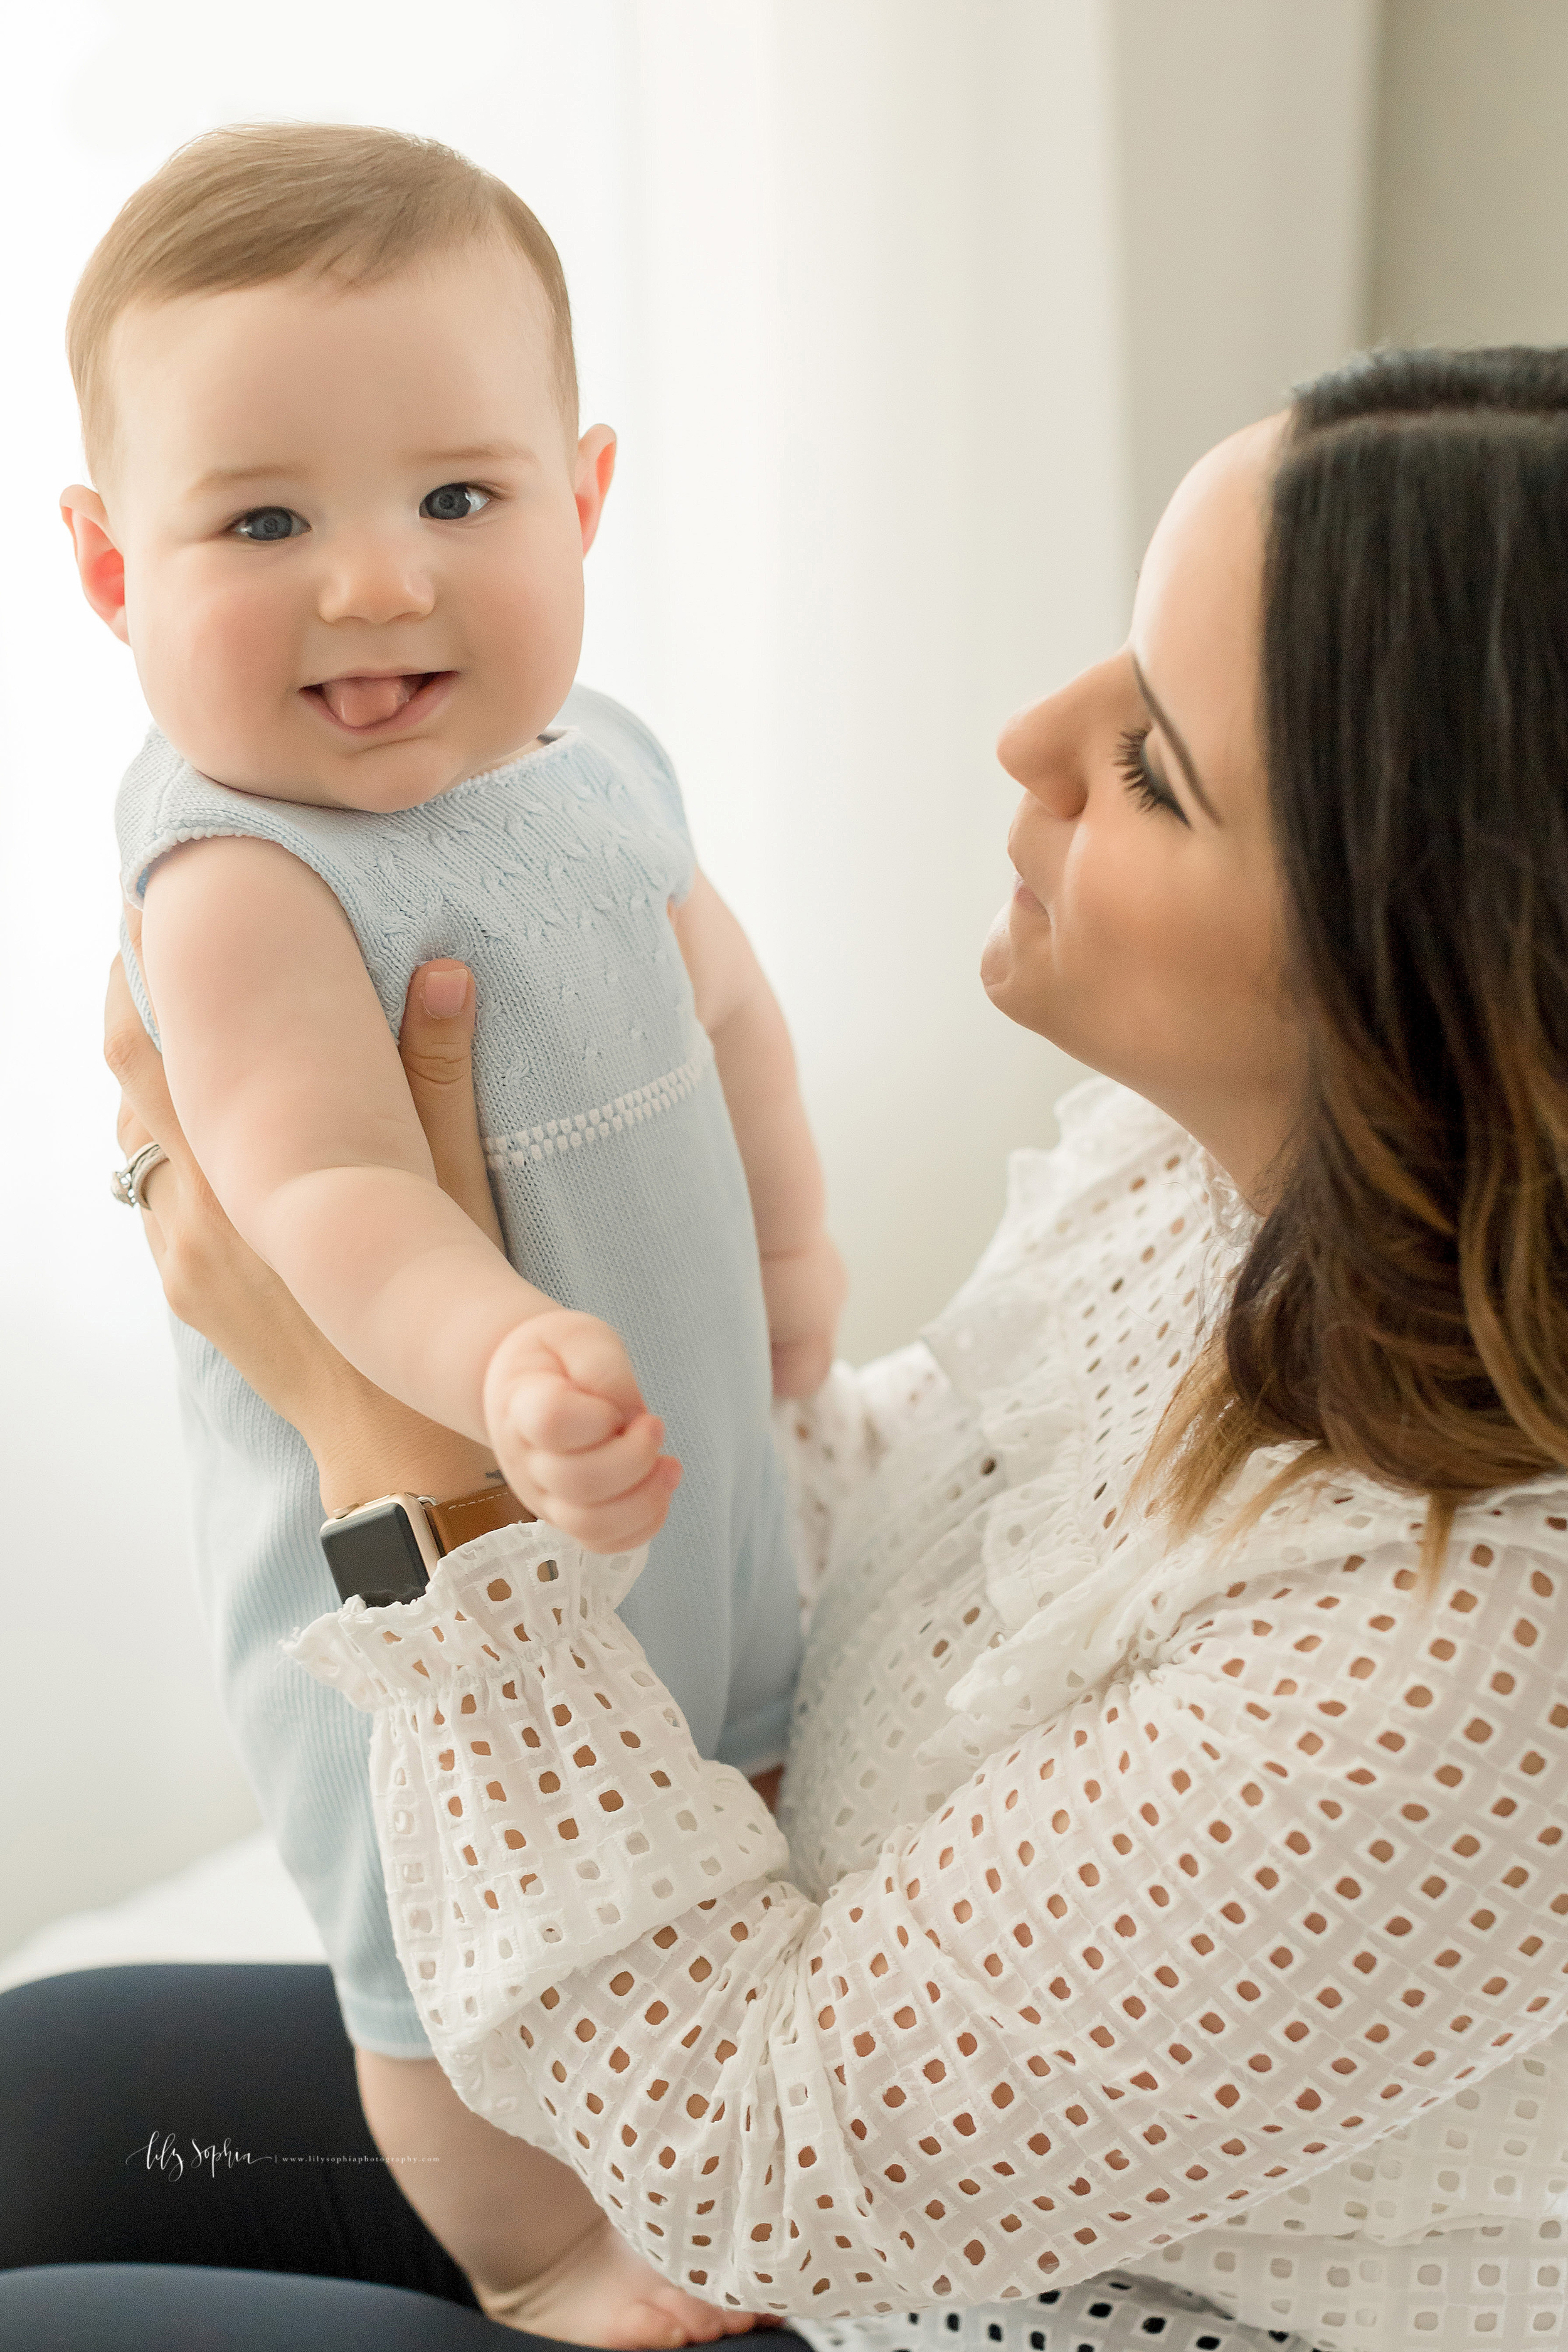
<point x="1134" y="771"/>
<point x="251" y="512"/>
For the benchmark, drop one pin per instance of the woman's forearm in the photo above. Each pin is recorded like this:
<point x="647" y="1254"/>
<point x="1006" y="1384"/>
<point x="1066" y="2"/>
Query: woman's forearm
<point x="365" y="1442"/>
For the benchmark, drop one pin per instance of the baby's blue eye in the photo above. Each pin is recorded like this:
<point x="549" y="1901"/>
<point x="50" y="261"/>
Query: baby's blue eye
<point x="264" y="524"/>
<point x="454" y="502"/>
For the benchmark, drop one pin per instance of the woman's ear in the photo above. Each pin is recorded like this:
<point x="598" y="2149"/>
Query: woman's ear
<point x="596" y="468"/>
<point x="98" y="563"/>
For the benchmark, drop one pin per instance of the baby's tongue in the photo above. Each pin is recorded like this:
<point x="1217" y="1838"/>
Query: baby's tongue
<point x="363" y="701"/>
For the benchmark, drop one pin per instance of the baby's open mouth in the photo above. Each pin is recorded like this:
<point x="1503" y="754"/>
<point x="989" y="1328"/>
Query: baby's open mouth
<point x="371" y="701"/>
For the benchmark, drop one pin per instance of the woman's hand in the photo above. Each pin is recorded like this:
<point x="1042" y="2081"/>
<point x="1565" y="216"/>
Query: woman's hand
<point x="365" y="1444"/>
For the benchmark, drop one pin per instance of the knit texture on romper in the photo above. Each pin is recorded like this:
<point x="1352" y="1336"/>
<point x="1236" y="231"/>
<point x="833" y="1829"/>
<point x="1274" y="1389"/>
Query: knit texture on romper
<point x="621" y="1193"/>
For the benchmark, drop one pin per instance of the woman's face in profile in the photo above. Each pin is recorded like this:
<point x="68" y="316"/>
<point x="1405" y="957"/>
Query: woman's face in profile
<point x="1144" y="935"/>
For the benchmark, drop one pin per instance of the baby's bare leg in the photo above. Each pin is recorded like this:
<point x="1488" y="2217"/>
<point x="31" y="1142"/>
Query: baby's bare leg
<point x="537" y="2250"/>
<point x="503" y="2210"/>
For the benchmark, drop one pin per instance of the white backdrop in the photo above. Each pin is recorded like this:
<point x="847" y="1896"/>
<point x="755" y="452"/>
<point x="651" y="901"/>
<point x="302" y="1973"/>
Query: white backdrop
<point x="884" y="298"/>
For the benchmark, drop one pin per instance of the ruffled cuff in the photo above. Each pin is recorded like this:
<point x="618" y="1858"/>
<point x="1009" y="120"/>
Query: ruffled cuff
<point x="503" y="1599"/>
<point x="538" y="1798"/>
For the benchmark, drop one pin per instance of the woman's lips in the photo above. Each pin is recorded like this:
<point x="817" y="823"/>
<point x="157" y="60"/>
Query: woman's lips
<point x="366" y="703"/>
<point x="1026" y="897"/>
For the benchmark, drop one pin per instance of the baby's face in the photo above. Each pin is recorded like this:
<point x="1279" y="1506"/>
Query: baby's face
<point x="353" y="525"/>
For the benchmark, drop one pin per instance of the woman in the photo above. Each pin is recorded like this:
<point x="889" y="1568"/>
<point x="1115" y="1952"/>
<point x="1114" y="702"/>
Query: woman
<point x="1213" y="1928"/>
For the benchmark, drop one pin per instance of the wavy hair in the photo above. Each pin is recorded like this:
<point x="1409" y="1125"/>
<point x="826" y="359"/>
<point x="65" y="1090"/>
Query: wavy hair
<point x="1404" y="1307"/>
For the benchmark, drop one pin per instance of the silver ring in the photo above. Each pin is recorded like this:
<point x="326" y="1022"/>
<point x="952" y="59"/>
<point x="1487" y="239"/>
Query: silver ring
<point x="128" y="1183"/>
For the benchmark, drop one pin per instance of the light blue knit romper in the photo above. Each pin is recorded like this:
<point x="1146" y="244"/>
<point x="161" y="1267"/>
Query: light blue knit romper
<point x="621" y="1193"/>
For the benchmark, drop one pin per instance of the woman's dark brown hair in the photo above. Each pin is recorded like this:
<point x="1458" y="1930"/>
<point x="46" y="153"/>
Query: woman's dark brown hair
<point x="1404" y="1307"/>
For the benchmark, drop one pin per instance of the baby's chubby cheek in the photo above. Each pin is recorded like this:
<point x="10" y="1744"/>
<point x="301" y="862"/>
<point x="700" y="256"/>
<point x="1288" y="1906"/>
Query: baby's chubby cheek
<point x="521" y="633"/>
<point x="220" y="673"/>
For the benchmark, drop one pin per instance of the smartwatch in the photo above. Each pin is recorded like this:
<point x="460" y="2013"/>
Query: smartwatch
<point x="387" y="1550"/>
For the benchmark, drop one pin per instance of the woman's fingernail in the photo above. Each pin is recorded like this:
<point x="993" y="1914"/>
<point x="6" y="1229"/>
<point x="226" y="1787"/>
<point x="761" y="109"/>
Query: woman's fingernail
<point x="445" y="992"/>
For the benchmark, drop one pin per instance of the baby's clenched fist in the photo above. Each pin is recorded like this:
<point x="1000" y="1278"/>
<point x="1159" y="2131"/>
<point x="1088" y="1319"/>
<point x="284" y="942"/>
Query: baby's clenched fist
<point x="573" y="1436"/>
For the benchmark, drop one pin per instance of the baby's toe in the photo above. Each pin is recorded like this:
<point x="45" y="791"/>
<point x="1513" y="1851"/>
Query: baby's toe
<point x="698" y="2323"/>
<point x="646" y="2326"/>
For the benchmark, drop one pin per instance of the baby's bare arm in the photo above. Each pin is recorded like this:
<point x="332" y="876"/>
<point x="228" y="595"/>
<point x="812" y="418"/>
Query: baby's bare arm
<point x="801" y="1273"/>
<point x="286" y="1078"/>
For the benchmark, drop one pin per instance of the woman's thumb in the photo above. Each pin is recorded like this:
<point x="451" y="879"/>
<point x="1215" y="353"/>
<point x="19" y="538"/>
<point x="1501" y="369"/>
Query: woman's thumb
<point x="444" y="991"/>
<point x="436" y="1041"/>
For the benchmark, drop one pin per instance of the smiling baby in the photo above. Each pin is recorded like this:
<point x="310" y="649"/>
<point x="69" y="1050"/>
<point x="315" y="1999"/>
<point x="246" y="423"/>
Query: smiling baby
<point x="330" y="403"/>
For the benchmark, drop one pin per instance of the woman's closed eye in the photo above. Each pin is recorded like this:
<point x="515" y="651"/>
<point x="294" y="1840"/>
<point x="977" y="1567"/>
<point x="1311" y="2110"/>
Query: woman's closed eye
<point x="454" y="502"/>
<point x="1151" y="790"/>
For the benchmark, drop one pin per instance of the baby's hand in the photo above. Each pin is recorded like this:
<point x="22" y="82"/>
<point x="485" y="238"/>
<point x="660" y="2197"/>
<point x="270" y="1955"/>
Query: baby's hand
<point x="572" y="1435"/>
<point x="805" y="1290"/>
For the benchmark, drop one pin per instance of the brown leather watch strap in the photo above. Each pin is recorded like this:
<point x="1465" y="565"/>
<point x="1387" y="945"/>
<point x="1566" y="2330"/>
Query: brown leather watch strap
<point x="467" y="1516"/>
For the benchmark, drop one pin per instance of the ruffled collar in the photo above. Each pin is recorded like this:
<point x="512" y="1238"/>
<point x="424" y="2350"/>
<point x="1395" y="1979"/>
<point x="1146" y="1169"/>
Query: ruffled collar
<point x="1230" y="1220"/>
<point x="1077" y="1601"/>
<point x="1071" y="1595"/>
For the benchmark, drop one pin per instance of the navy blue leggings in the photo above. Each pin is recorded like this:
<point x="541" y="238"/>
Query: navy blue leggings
<point x="185" y="2166"/>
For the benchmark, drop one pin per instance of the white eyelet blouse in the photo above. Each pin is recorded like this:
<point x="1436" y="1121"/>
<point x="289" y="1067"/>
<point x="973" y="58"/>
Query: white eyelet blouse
<point x="1163" y="1930"/>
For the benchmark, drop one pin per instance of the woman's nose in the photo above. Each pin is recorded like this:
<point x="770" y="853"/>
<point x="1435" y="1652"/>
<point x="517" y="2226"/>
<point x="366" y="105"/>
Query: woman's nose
<point x="375" y="579"/>
<point x="1050" y="748"/>
<point x="1042" y="753"/>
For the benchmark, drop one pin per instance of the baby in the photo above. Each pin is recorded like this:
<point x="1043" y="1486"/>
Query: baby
<point x="328" y="397"/>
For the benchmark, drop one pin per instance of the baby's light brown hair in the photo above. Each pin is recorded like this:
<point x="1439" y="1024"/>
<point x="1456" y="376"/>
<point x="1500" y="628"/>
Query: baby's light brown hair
<point x="259" y="201"/>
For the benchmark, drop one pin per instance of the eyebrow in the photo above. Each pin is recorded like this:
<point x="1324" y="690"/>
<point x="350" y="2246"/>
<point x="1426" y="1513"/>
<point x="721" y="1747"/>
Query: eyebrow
<point x="271" y="470"/>
<point x="484" y="452"/>
<point x="1183" y="756"/>
<point x="265" y="471"/>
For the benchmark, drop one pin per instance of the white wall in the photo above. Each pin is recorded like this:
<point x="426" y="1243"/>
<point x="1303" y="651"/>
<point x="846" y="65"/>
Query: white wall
<point x="1246" y="136"/>
<point x="1472" y="211"/>
<point x="910" y="312"/>
<point x="882" y="506"/>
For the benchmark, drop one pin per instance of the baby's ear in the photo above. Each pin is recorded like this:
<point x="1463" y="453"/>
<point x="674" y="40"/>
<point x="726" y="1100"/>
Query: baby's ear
<point x="98" y="562"/>
<point x="595" y="469"/>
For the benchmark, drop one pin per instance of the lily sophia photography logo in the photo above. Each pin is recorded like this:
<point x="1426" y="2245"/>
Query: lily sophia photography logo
<point x="173" y="2155"/>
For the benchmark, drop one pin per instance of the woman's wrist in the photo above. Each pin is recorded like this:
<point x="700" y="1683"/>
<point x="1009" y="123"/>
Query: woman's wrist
<point x="605" y="1825"/>
<point x="365" y="1444"/>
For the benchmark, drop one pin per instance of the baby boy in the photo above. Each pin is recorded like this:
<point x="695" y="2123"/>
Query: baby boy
<point x="329" y="399"/>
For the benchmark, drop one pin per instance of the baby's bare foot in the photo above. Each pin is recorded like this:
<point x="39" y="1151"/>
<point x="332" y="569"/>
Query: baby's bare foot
<point x="603" y="2292"/>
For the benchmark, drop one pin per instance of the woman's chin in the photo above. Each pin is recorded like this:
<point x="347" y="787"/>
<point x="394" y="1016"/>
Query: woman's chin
<point x="1012" y="975"/>
<point x="996" y="957"/>
<point x="1014" y="995"/>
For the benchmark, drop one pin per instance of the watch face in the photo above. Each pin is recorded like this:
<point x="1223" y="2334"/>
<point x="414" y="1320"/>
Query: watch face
<point x="375" y="1553"/>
